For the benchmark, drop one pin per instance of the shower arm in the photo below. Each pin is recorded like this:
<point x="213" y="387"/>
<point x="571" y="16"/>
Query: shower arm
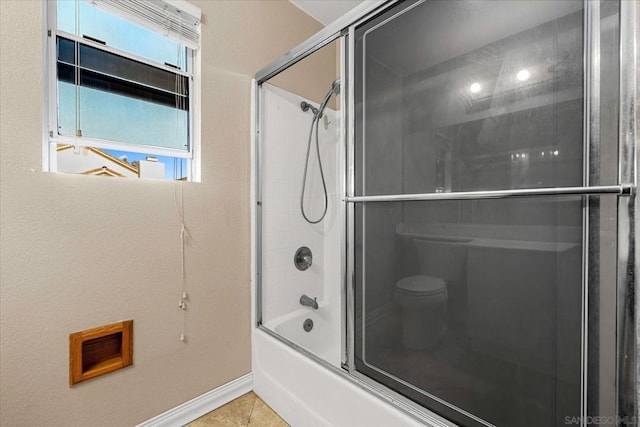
<point x="305" y="106"/>
<point x="318" y="112"/>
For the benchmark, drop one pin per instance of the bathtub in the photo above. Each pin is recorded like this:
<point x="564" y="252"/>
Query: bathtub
<point x="320" y="340"/>
<point x="307" y="393"/>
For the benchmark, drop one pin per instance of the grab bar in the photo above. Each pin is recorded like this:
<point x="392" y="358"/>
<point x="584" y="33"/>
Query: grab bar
<point x="620" y="190"/>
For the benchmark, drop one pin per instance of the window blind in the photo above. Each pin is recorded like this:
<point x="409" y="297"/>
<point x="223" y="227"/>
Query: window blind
<point x="177" y="19"/>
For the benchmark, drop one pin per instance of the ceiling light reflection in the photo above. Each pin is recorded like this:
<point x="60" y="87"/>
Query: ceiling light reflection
<point x="523" y="75"/>
<point x="475" y="87"/>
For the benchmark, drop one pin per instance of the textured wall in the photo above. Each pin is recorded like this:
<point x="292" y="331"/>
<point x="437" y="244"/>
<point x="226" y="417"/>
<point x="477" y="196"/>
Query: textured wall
<point x="78" y="252"/>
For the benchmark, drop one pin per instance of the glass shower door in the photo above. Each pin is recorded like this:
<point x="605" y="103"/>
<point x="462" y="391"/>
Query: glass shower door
<point x="475" y="144"/>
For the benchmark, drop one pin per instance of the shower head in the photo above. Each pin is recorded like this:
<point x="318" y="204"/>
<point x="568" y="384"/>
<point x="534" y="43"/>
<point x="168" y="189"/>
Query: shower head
<point x="317" y="112"/>
<point x="335" y="86"/>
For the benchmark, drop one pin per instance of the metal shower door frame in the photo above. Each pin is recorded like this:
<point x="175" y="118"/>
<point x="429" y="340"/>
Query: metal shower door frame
<point x="628" y="324"/>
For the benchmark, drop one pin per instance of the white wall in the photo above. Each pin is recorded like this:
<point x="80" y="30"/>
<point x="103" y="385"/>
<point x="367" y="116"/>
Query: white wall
<point x="285" y="133"/>
<point x="78" y="252"/>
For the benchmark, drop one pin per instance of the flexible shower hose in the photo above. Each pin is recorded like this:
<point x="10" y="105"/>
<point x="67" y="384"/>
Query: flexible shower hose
<point x="315" y="121"/>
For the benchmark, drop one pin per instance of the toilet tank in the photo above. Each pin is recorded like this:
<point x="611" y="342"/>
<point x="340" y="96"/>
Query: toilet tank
<point x="442" y="256"/>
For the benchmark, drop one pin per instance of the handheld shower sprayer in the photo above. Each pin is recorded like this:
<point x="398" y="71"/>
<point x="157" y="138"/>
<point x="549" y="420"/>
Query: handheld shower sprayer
<point x="317" y="114"/>
<point x="335" y="86"/>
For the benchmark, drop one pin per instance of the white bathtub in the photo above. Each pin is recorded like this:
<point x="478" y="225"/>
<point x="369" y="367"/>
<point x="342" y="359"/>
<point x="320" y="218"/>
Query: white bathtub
<point x="320" y="340"/>
<point x="307" y="394"/>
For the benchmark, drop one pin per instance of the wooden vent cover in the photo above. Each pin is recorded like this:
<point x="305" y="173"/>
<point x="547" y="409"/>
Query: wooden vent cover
<point x="101" y="350"/>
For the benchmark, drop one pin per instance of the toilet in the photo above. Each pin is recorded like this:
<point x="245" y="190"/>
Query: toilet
<point x="423" y="303"/>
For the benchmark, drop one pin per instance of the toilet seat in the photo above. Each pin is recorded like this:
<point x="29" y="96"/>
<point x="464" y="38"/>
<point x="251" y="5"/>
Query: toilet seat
<point x="421" y="285"/>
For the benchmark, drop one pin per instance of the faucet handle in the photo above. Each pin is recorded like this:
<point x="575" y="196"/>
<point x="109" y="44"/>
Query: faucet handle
<point x="303" y="258"/>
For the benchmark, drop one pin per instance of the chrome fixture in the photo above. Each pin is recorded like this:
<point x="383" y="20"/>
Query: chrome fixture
<point x="308" y="302"/>
<point x="305" y="106"/>
<point x="317" y="114"/>
<point x="307" y="325"/>
<point x="596" y="190"/>
<point x="303" y="258"/>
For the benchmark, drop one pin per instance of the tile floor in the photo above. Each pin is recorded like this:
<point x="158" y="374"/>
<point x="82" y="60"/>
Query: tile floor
<point x="247" y="410"/>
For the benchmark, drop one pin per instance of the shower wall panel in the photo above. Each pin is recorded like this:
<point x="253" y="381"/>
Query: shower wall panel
<point x="284" y="131"/>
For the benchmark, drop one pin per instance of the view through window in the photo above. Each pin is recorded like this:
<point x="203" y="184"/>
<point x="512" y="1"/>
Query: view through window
<point x="121" y="100"/>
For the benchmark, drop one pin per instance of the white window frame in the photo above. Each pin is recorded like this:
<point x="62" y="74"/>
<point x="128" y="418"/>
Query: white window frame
<point x="51" y="136"/>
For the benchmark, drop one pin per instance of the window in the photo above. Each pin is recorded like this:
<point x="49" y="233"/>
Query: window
<point x="121" y="85"/>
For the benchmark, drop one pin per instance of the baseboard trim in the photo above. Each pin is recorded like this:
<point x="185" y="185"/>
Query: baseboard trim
<point x="207" y="402"/>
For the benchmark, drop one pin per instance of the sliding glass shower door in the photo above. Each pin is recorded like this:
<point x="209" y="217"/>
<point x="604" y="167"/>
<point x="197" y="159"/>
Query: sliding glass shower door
<point x="485" y="186"/>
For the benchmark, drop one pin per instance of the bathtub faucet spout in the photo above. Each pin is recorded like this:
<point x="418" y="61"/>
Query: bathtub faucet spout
<point x="308" y="302"/>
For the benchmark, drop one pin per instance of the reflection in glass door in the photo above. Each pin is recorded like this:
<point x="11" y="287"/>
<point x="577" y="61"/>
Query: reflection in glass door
<point x="473" y="305"/>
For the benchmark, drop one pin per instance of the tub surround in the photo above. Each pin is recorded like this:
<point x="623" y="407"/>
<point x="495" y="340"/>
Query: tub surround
<point x="285" y="131"/>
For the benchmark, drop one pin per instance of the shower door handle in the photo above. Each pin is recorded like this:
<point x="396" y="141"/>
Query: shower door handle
<point x="620" y="190"/>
